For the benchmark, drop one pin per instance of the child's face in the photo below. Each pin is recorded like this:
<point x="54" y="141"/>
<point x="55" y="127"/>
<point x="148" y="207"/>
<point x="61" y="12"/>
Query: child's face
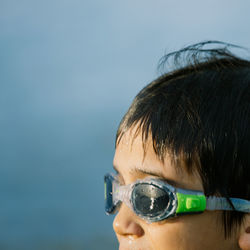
<point x="195" y="232"/>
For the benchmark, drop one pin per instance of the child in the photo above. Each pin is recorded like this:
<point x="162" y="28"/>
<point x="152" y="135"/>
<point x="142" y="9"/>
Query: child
<point x="183" y="157"/>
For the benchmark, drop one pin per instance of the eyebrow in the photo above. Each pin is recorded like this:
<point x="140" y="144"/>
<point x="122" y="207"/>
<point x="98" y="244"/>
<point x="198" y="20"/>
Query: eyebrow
<point x="148" y="172"/>
<point x="160" y="175"/>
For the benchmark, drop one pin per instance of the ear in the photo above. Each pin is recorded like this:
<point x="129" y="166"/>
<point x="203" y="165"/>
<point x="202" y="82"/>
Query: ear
<point x="244" y="239"/>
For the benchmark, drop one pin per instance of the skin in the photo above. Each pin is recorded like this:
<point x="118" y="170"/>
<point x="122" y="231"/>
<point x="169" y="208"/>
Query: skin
<point x="190" y="232"/>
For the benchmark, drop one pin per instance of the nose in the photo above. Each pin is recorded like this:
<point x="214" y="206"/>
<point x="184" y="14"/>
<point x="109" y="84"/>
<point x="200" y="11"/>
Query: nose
<point x="126" y="223"/>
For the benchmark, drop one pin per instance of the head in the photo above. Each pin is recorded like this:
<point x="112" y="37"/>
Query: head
<point x="190" y="127"/>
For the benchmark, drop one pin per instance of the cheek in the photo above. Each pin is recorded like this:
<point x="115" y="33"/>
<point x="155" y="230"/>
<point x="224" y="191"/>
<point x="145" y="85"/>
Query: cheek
<point x="168" y="236"/>
<point x="193" y="232"/>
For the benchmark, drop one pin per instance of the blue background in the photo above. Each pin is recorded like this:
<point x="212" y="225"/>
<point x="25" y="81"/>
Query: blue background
<point x="68" y="71"/>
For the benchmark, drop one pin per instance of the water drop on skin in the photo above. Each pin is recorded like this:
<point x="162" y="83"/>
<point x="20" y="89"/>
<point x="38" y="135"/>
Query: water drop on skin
<point x="131" y="239"/>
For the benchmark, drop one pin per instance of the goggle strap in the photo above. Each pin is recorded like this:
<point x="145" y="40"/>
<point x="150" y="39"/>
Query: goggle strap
<point x="221" y="203"/>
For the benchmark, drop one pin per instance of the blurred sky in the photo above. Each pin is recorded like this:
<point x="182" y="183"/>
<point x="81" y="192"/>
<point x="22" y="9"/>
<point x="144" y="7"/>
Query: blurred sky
<point x="68" y="71"/>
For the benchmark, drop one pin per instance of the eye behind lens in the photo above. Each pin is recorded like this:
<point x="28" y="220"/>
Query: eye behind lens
<point x="149" y="200"/>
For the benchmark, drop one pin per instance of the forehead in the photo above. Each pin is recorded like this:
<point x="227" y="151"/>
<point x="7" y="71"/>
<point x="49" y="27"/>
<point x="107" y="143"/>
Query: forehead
<point x="133" y="159"/>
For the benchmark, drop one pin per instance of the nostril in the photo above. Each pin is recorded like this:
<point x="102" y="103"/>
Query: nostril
<point x="135" y="229"/>
<point x="132" y="228"/>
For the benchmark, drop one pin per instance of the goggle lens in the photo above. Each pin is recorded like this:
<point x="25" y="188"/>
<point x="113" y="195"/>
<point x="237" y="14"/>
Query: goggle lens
<point x="149" y="200"/>
<point x="108" y="194"/>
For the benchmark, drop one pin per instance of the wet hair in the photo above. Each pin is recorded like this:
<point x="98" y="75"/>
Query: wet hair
<point x="200" y="114"/>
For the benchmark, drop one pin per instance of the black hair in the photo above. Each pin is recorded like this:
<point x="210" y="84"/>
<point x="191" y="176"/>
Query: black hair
<point x="200" y="113"/>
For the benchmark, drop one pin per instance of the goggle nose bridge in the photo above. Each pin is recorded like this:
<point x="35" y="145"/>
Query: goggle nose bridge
<point x="122" y="193"/>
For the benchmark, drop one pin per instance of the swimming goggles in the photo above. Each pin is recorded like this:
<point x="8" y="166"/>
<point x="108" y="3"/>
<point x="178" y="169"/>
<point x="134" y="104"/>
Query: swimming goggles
<point x="154" y="200"/>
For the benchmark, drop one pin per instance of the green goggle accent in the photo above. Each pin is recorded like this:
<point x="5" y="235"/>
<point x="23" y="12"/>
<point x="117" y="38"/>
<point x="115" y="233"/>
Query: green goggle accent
<point x="188" y="203"/>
